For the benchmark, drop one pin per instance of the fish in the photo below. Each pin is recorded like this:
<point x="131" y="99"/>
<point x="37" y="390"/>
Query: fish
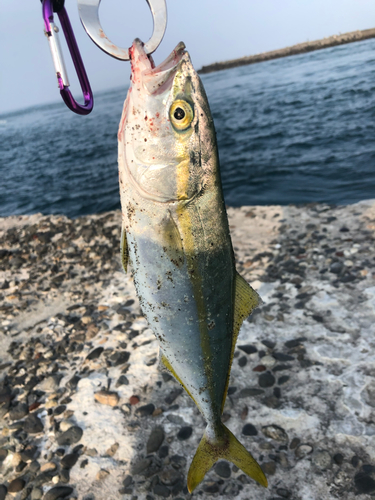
<point x="175" y="236"/>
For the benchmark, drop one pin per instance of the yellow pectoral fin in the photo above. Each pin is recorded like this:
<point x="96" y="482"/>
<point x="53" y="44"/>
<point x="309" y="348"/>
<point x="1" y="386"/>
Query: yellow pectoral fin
<point x="124" y="250"/>
<point x="246" y="300"/>
<point x="226" y="446"/>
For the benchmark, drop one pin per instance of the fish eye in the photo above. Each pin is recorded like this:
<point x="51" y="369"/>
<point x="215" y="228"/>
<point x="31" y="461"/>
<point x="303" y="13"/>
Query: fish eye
<point x="181" y="114"/>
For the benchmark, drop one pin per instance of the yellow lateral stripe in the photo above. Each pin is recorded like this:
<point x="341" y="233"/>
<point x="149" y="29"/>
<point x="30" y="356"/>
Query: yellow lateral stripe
<point x="245" y="301"/>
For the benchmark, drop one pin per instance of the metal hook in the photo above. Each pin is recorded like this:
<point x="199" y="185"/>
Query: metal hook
<point x="62" y="77"/>
<point x="89" y="14"/>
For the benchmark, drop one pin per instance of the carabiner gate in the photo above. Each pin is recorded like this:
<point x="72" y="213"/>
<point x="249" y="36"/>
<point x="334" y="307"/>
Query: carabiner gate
<point x="51" y="31"/>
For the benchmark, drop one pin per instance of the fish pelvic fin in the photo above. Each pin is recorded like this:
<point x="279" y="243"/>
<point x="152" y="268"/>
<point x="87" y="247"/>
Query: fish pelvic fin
<point x="246" y="299"/>
<point x="124" y="251"/>
<point x="222" y="444"/>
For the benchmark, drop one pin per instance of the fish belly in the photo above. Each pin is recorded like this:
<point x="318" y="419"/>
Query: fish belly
<point x="184" y="272"/>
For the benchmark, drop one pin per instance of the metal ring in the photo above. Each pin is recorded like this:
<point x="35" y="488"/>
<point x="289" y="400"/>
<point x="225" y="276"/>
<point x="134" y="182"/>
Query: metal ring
<point x="89" y="14"/>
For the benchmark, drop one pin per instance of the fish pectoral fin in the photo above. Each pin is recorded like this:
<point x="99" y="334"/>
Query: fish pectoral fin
<point x="223" y="445"/>
<point x="246" y="299"/>
<point x="124" y="251"/>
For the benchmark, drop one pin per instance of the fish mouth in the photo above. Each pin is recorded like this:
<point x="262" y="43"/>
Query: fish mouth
<point x="155" y="79"/>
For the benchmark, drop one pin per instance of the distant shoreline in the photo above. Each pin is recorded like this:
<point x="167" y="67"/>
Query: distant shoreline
<point x="300" y="48"/>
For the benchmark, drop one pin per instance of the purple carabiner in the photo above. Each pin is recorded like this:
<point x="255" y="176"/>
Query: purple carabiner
<point x="62" y="77"/>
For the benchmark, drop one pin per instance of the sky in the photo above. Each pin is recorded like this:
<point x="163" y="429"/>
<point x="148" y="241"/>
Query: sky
<point x="212" y="31"/>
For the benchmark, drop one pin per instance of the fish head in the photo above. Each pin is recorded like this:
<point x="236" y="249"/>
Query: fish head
<point x="166" y="135"/>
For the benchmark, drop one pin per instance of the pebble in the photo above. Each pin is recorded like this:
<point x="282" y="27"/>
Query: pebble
<point x="47" y="467"/>
<point x="178" y="461"/>
<point x="102" y="474"/>
<point x="280" y="368"/>
<point x="336" y="267"/>
<point x="280" y="356"/>
<point x="122" y="380"/>
<point x="163" y="451"/>
<point x="268" y="361"/>
<point x="184" y="433"/>
<point x="269" y="468"/>
<point x="211" y="487"/>
<point x="33" y="424"/>
<point x="303" y="450"/>
<point x="107" y="398"/>
<point x="283" y="492"/>
<point x="112" y="450"/>
<point x="145" y="410"/>
<point x="16" y="485"/>
<point x="322" y="459"/>
<point x="249" y="430"/>
<point x="364" y="483"/>
<point x="50" y="384"/>
<point x="65" y="425"/>
<point x="95" y="353"/>
<point x="140" y="466"/>
<point x="282" y="380"/>
<point x="69" y="460"/>
<point x="161" y="490"/>
<point x="58" y="492"/>
<point x="3" y="454"/>
<point x="248" y="348"/>
<point x="242" y="361"/>
<point x="266" y="380"/>
<point x="64" y="476"/>
<point x="269" y="343"/>
<point x="3" y="491"/>
<point x="275" y="432"/>
<point x="71" y="436"/>
<point x="73" y="382"/>
<point x="155" y="440"/>
<point x="36" y="493"/>
<point x="91" y="452"/>
<point x="172" y="396"/>
<point x="223" y="469"/>
<point x="294" y="443"/>
<point x="19" y="411"/>
<point x="250" y="391"/>
<point x="338" y="458"/>
<point x="170" y="476"/>
<point x="134" y="400"/>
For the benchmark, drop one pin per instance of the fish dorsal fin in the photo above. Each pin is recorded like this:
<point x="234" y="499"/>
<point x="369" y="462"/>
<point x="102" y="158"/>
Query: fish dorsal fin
<point x="246" y="300"/>
<point x="124" y="250"/>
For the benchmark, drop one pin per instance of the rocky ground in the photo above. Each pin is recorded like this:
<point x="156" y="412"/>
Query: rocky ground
<point x="86" y="412"/>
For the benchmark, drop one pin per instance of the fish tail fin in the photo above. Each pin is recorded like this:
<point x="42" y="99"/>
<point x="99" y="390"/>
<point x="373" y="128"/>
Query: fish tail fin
<point x="222" y="444"/>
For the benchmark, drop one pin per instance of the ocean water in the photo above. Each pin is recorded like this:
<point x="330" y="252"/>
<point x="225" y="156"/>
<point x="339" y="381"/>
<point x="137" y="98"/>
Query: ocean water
<point x="295" y="130"/>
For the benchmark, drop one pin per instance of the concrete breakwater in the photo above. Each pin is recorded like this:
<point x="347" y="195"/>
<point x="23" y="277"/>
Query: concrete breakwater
<point x="86" y="413"/>
<point x="300" y="48"/>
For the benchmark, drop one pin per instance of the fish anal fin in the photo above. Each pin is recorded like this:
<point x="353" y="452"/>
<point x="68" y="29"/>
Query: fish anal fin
<point x="226" y="446"/>
<point x="170" y="368"/>
<point x="124" y="251"/>
<point x="246" y="299"/>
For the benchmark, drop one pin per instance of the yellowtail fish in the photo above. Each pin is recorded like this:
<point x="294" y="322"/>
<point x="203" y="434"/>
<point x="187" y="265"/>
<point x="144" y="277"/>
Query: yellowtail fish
<point x="175" y="234"/>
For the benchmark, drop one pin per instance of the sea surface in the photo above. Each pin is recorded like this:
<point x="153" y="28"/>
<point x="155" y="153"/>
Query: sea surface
<point x="295" y="130"/>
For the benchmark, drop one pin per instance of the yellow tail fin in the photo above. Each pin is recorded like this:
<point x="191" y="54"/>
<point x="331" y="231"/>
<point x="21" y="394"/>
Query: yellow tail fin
<point x="222" y="445"/>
